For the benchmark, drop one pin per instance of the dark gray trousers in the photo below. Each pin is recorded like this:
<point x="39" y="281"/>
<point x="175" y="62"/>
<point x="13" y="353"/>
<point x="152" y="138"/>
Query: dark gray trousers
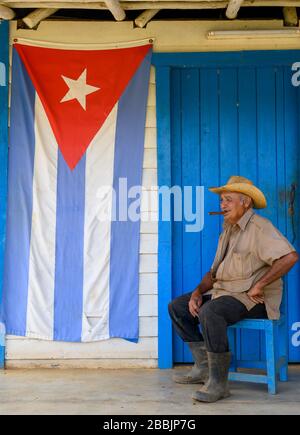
<point x="214" y="318"/>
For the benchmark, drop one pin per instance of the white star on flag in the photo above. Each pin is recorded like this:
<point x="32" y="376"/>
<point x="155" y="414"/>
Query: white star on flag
<point x="78" y="89"/>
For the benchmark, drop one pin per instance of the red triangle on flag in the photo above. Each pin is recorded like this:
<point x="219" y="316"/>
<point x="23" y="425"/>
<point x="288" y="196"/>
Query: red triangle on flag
<point x="78" y="89"/>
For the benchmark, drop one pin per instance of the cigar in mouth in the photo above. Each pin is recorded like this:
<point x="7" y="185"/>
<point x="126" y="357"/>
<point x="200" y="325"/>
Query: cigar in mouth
<point x="212" y="213"/>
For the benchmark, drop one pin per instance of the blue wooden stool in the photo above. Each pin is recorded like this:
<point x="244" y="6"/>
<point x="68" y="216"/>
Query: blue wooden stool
<point x="276" y="334"/>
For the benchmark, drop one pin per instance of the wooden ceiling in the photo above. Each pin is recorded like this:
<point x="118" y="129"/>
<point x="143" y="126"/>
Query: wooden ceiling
<point x="33" y="12"/>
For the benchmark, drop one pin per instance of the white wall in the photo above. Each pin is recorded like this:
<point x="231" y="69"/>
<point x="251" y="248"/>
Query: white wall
<point x="120" y="353"/>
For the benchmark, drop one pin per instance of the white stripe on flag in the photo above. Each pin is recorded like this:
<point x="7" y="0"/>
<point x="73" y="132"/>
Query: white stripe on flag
<point x="99" y="173"/>
<point x="40" y="306"/>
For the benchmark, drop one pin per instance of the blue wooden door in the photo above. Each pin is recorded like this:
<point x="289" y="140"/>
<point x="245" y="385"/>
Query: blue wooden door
<point x="4" y="29"/>
<point x="235" y="120"/>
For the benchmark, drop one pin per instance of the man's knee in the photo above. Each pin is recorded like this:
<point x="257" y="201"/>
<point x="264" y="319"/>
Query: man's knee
<point x="206" y="312"/>
<point x="171" y="307"/>
<point x="174" y="308"/>
<point x="179" y="307"/>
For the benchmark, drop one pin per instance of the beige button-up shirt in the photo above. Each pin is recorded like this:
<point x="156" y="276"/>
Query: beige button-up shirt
<point x="250" y="248"/>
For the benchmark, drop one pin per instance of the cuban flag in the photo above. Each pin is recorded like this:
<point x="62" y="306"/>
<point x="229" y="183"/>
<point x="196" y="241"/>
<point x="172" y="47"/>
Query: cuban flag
<point x="77" y="124"/>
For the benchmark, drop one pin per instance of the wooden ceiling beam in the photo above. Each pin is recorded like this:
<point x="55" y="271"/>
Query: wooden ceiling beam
<point x="146" y="5"/>
<point x="88" y="2"/>
<point x="35" y="17"/>
<point x="143" y="19"/>
<point x="233" y="8"/>
<point x="116" y="9"/>
<point x="290" y="17"/>
<point x="6" y="13"/>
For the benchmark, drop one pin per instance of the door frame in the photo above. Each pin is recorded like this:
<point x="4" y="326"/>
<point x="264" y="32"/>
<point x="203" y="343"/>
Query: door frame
<point x="4" y="46"/>
<point x="163" y="63"/>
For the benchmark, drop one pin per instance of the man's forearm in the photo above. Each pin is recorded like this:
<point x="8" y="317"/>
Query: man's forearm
<point x="206" y="284"/>
<point x="279" y="268"/>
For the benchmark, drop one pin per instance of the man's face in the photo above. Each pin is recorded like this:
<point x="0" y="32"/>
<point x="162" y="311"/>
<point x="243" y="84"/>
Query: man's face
<point x="233" y="207"/>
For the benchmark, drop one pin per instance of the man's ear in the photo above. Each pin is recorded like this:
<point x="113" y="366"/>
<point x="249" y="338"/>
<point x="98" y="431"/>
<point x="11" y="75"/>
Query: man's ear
<point x="248" y="201"/>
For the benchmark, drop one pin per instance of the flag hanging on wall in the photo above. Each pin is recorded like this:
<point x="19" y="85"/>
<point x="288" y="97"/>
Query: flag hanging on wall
<point x="77" y="126"/>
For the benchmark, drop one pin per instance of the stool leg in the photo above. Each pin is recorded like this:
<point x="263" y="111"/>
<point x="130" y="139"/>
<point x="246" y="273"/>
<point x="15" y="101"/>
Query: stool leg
<point x="283" y="373"/>
<point x="232" y="346"/>
<point x="283" y="346"/>
<point x="271" y="358"/>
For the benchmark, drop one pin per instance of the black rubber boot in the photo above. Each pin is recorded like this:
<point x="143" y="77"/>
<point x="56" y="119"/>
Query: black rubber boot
<point x="216" y="387"/>
<point x="199" y="372"/>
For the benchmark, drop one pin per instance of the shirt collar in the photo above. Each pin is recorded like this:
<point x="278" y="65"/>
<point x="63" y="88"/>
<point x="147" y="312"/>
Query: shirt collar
<point x="242" y="223"/>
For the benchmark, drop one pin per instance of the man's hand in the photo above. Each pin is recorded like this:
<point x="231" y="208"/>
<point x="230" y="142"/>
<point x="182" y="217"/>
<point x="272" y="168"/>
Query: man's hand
<point x="256" y="294"/>
<point x="195" y="303"/>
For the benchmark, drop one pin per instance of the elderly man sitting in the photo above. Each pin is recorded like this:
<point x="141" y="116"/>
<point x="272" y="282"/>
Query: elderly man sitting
<point x="244" y="282"/>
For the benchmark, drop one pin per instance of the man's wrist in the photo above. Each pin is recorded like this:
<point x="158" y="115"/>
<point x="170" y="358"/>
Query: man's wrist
<point x="259" y="285"/>
<point x="197" y="291"/>
<point x="200" y="290"/>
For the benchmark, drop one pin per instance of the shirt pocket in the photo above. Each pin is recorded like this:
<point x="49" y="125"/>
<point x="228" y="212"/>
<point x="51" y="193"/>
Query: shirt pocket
<point x="240" y="265"/>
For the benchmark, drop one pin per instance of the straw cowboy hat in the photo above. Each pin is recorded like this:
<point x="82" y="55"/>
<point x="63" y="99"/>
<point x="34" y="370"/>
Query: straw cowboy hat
<point x="245" y="186"/>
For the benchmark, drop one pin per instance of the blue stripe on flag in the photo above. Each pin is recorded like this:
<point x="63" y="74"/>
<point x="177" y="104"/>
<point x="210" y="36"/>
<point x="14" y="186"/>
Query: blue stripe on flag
<point x="20" y="177"/>
<point x="125" y="236"/>
<point x="69" y="251"/>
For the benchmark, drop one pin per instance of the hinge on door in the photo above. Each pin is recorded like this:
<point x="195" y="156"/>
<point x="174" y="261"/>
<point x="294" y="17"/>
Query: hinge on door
<point x="291" y="209"/>
<point x="292" y="195"/>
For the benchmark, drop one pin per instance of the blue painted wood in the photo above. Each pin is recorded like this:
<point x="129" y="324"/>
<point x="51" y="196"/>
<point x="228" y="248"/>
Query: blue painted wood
<point x="266" y="139"/>
<point x="292" y="175"/>
<point x="247" y="339"/>
<point x="177" y="227"/>
<point x="283" y="350"/>
<point x="165" y="354"/>
<point x="244" y="364"/>
<point x="282" y="363"/>
<point x="194" y="111"/>
<point x="276" y="352"/>
<point x="243" y="377"/>
<point x="280" y="151"/>
<point x="282" y="218"/>
<point x="232" y="345"/>
<point x="247" y="121"/>
<point x="3" y="160"/>
<point x="191" y="170"/>
<point x="259" y="324"/>
<point x="243" y="58"/>
<point x="2" y="357"/>
<point x="271" y="357"/>
<point x="210" y="157"/>
<point x="257" y="81"/>
<point x="269" y="144"/>
<point x="228" y="119"/>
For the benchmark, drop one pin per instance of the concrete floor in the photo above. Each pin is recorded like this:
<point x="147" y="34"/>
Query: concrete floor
<point x="132" y="391"/>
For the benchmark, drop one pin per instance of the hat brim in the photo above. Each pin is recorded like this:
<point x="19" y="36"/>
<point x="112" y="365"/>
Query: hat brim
<point x="257" y="196"/>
